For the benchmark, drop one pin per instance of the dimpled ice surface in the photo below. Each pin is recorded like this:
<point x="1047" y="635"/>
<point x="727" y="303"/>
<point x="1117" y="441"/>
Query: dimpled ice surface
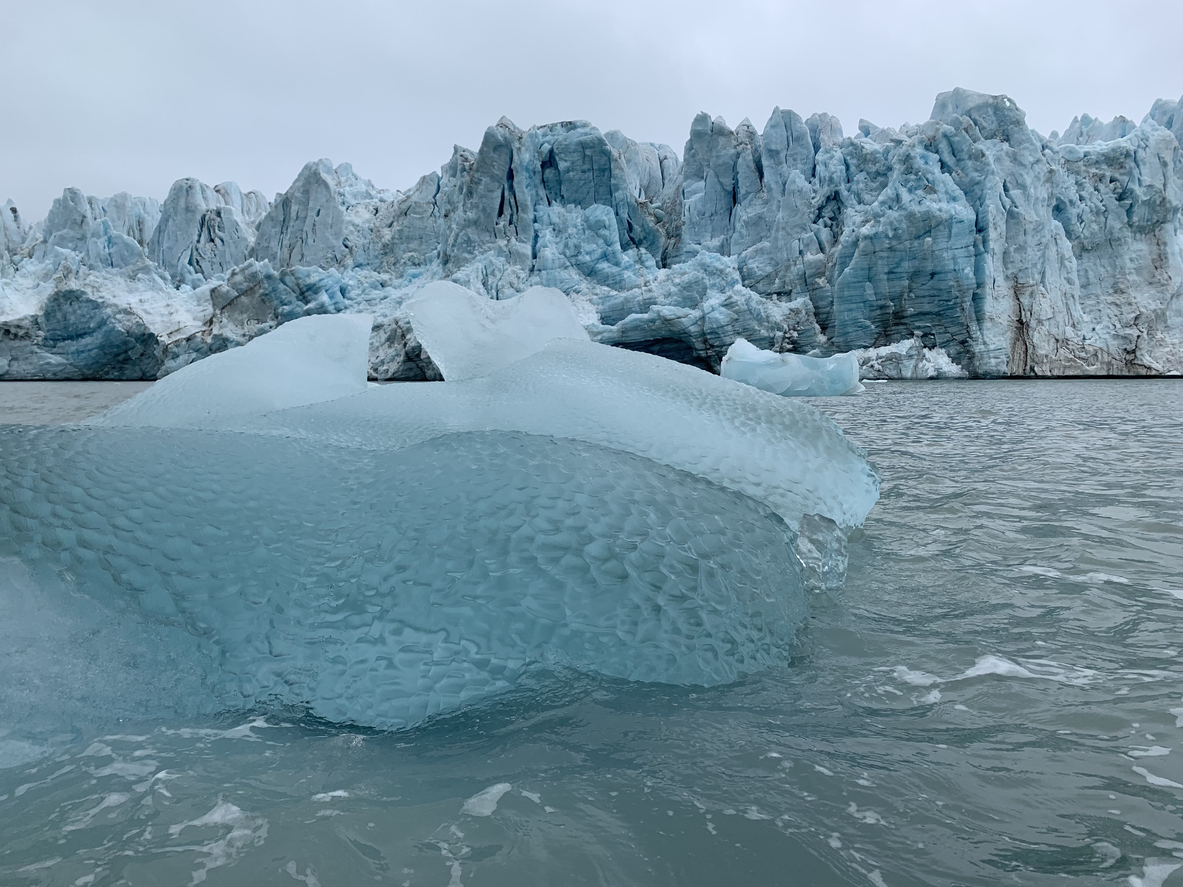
<point x="791" y="375"/>
<point x="380" y="554"/>
<point x="379" y="588"/>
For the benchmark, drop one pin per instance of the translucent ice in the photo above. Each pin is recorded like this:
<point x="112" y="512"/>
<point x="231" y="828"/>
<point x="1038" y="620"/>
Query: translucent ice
<point x="791" y="375"/>
<point x="305" y="361"/>
<point x="784" y="453"/>
<point x="379" y="587"/>
<point x="469" y="335"/>
<point x="379" y="554"/>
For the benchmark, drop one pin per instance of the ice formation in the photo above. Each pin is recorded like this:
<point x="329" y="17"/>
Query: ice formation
<point x="1000" y="251"/>
<point x="378" y="554"/>
<point x="309" y="360"/>
<point x="791" y="375"/>
<point x="469" y="336"/>
<point x="907" y="359"/>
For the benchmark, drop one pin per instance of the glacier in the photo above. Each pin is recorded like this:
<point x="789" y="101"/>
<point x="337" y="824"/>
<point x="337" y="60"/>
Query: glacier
<point x="379" y="554"/>
<point x="966" y="245"/>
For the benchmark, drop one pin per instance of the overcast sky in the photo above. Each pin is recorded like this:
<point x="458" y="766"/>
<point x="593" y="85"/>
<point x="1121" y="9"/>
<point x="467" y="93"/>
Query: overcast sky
<point x="129" y="95"/>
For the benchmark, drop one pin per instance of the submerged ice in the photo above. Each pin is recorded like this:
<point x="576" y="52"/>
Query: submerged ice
<point x="380" y="554"/>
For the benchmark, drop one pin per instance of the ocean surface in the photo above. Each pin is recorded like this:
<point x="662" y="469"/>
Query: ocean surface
<point x="995" y="698"/>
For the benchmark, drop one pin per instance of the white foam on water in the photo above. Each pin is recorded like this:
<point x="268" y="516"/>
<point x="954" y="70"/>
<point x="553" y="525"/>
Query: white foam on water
<point x="1100" y="578"/>
<point x="127" y="769"/>
<point x="82" y="820"/>
<point x="309" y="876"/>
<point x="1153" y="751"/>
<point x="21" y="789"/>
<point x="328" y="796"/>
<point x="1042" y="571"/>
<point x="16" y="753"/>
<point x="38" y="866"/>
<point x="1155" y="780"/>
<point x="243" y="830"/>
<point x="1154" y="873"/>
<point x="869" y="817"/>
<point x="915" y="678"/>
<point x="1033" y="669"/>
<point x="484" y="803"/>
<point x="242" y="731"/>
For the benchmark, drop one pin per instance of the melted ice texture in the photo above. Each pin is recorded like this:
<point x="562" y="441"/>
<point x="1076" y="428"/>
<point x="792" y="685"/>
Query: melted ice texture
<point x="388" y="553"/>
<point x="791" y="375"/>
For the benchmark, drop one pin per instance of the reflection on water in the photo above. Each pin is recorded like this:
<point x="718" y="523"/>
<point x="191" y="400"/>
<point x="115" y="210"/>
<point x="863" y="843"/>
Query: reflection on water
<point x="996" y="698"/>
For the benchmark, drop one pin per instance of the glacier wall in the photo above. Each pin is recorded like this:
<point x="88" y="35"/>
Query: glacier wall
<point x="965" y="245"/>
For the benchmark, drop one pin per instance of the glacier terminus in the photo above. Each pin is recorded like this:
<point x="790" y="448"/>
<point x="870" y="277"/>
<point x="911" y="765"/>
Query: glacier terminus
<point x="967" y="245"/>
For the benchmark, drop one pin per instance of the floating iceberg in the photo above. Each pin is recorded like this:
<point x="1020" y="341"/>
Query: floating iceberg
<point x="470" y="336"/>
<point x="791" y="375"/>
<point x="308" y="360"/>
<point x="402" y="550"/>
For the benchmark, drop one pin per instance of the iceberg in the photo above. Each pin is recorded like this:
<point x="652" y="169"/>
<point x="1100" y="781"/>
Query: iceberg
<point x="306" y="361"/>
<point x="469" y="336"/>
<point x="791" y="375"/>
<point x="379" y="554"/>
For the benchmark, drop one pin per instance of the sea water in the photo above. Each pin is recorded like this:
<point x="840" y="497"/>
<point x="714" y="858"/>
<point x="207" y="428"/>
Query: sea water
<point x="995" y="698"/>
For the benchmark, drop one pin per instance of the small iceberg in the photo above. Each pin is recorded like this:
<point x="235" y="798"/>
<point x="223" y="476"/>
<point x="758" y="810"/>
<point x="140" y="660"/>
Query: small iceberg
<point x="791" y="375"/>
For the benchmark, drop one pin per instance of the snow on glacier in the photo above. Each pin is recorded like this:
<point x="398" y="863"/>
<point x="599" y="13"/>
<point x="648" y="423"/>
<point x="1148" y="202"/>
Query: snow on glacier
<point x="387" y="553"/>
<point x="791" y="375"/>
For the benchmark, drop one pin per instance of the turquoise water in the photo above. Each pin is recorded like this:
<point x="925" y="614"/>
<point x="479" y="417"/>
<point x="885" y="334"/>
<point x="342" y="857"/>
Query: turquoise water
<point x="996" y="698"/>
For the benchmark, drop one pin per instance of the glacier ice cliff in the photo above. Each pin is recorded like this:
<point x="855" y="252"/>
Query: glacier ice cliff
<point x="969" y="241"/>
<point x="378" y="554"/>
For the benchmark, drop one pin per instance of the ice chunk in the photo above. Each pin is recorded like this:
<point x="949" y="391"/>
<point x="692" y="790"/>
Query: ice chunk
<point x="308" y="360"/>
<point x="405" y="550"/>
<point x="821" y="546"/>
<point x="468" y="335"/>
<point x="907" y="359"/>
<point x="379" y="587"/>
<point x="484" y="803"/>
<point x="783" y="452"/>
<point x="791" y="375"/>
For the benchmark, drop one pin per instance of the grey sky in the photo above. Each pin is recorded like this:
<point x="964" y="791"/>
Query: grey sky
<point x="129" y="95"/>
